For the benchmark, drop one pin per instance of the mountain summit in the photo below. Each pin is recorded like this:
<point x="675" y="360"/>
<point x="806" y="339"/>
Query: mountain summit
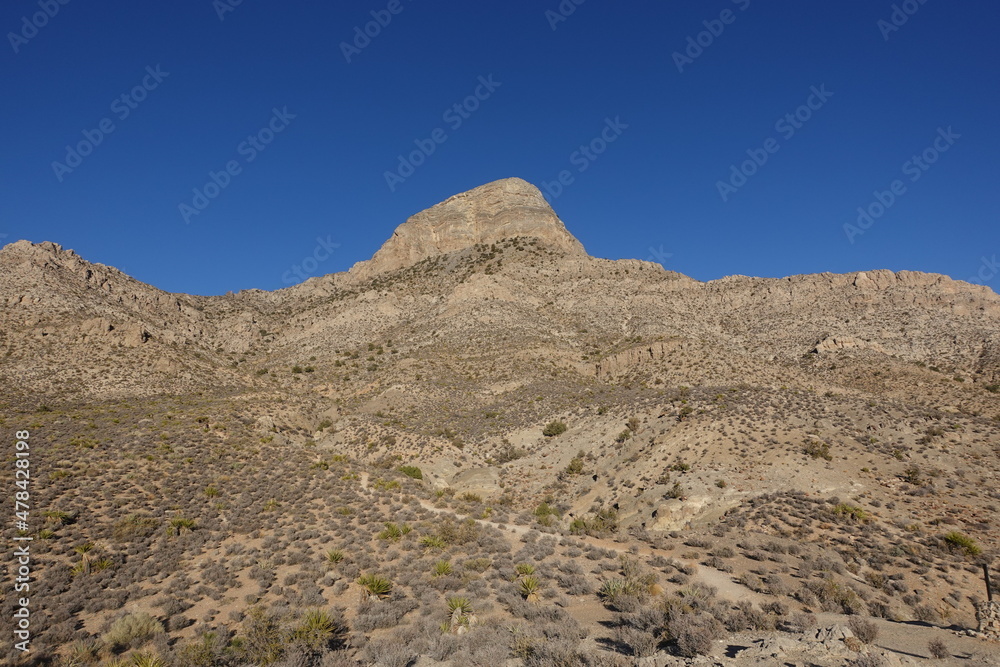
<point x="502" y="209"/>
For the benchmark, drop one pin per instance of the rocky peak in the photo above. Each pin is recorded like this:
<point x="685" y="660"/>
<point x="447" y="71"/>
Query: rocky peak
<point x="498" y="210"/>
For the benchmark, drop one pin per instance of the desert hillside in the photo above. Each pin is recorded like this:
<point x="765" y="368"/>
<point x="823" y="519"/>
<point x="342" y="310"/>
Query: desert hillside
<point x="486" y="445"/>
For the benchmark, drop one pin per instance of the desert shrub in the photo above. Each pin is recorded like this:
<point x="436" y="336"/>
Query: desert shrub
<point x="718" y="564"/>
<point x="574" y="584"/>
<point x="207" y="650"/>
<point x="753" y="582"/>
<point x="373" y="615"/>
<point x="852" y="512"/>
<point x="508" y="453"/>
<point x="388" y="652"/>
<point x="554" y="428"/>
<point x="698" y="543"/>
<point x="458" y="532"/>
<point x="724" y="552"/>
<point x="693" y="634"/>
<point x="775" y="585"/>
<point x="818" y="450"/>
<point x="865" y="631"/>
<point x="603" y="522"/>
<point x="912" y="475"/>
<point x="574" y="468"/>
<point x="411" y="471"/>
<point x="546" y="514"/>
<point x="641" y="644"/>
<point x="799" y="622"/>
<point x="134" y="527"/>
<point x="477" y="564"/>
<point x="957" y="541"/>
<point x="262" y="640"/>
<point x="745" y="617"/>
<point x="776" y="607"/>
<point x="556" y="653"/>
<point x="879" y="609"/>
<point x="131" y="631"/>
<point x="926" y="614"/>
<point x="938" y="649"/>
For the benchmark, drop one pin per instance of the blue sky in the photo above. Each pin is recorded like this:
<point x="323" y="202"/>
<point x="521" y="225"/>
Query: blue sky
<point x="691" y="157"/>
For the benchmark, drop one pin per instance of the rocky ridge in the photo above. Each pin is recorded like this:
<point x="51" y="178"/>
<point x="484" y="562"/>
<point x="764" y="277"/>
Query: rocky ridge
<point x="851" y="415"/>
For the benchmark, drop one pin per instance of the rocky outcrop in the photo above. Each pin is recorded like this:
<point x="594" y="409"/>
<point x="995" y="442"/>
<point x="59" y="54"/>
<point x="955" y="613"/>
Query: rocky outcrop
<point x="502" y="209"/>
<point x="988" y="619"/>
<point x="837" y="343"/>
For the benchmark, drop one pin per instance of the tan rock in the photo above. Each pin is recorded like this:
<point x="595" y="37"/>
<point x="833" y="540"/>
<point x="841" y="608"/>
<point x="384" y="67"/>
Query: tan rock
<point x="502" y="209"/>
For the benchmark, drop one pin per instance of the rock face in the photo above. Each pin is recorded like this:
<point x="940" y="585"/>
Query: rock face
<point x="498" y="210"/>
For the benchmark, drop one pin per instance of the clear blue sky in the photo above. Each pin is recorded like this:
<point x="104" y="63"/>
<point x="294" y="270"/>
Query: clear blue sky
<point x="654" y="188"/>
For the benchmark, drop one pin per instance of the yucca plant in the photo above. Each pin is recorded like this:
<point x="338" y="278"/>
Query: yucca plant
<point x="57" y="517"/>
<point x="315" y="630"/>
<point x="615" y="587"/>
<point x="82" y="653"/>
<point x="530" y="588"/>
<point x="378" y="587"/>
<point x="84" y="550"/>
<point x="394" y="532"/>
<point x="462" y="616"/>
<point x="524" y="569"/>
<point x="433" y="542"/>
<point x="179" y="523"/>
<point x="334" y="556"/>
<point x="101" y="564"/>
<point x="147" y="660"/>
<point x="441" y="568"/>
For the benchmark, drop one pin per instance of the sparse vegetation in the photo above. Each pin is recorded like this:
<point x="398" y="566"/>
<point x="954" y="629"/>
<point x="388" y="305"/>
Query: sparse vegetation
<point x="219" y="498"/>
<point x="553" y="429"/>
<point x="818" y="450"/>
<point x="411" y="471"/>
<point x="960" y="542"/>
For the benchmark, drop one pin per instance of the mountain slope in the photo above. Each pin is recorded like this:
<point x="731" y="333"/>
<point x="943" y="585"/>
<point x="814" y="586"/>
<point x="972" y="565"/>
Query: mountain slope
<point x="826" y="431"/>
